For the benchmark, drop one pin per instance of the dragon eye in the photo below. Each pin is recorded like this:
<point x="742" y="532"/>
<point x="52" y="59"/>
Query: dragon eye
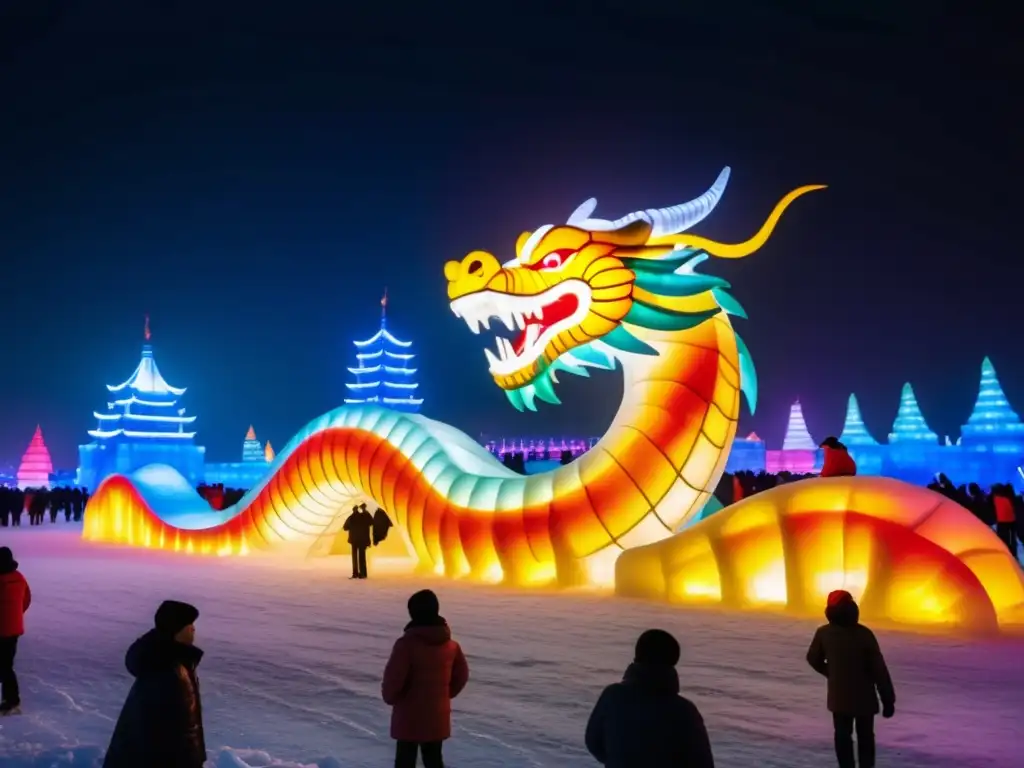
<point x="553" y="260"/>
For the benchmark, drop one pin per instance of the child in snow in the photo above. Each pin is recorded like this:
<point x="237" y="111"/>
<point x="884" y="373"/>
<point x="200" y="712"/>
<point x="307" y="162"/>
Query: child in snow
<point x="847" y="653"/>
<point x="15" y="598"/>
<point x="427" y="669"/>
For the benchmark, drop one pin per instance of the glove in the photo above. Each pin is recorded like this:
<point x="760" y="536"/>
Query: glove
<point x="888" y="711"/>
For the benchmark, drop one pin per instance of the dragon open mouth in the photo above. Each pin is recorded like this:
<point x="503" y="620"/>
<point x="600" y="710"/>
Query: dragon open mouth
<point x="534" y="320"/>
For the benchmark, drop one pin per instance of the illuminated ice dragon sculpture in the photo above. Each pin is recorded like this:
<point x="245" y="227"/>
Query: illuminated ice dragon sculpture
<point x="588" y="294"/>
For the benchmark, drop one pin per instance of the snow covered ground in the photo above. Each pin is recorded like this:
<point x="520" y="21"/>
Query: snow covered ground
<point x="294" y="656"/>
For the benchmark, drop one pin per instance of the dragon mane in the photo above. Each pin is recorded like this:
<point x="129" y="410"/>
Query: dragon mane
<point x="672" y="275"/>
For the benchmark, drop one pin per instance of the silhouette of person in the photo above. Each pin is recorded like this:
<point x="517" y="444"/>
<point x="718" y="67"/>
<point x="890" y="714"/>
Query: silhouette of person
<point x="359" y="524"/>
<point x="381" y="524"/>
<point x="643" y="721"/>
<point x="161" y="723"/>
<point x="847" y="653"/>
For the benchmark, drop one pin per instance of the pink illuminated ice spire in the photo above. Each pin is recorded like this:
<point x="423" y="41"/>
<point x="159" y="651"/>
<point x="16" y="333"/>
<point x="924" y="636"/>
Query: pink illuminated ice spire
<point x="36" y="466"/>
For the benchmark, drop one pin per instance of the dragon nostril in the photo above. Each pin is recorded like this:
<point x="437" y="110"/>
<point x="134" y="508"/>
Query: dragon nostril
<point x="475" y="266"/>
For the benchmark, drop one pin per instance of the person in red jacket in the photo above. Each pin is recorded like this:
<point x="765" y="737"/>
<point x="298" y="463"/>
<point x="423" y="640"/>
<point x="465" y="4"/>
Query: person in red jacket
<point x="838" y="461"/>
<point x="427" y="669"/>
<point x="15" y="598"/>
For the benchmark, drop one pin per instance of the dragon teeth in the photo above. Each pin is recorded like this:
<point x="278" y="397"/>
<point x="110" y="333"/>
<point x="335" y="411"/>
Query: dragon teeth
<point x="505" y="348"/>
<point x="507" y="319"/>
<point x="520" y="319"/>
<point x="492" y="361"/>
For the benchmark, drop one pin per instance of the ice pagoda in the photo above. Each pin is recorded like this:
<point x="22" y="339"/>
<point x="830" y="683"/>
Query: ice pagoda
<point x="910" y="426"/>
<point x="914" y="452"/>
<point x="142" y="424"/>
<point x="993" y="437"/>
<point x="993" y="423"/>
<point x="383" y="371"/>
<point x="799" y="452"/>
<point x="864" y="449"/>
<point x="252" y="449"/>
<point x="855" y="432"/>
<point x="243" y="474"/>
<point x="36" y="467"/>
<point x="797" y="437"/>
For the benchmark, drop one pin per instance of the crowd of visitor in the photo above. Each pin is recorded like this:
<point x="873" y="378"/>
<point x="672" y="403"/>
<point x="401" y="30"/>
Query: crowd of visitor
<point x="36" y="504"/>
<point x="640" y="721"/>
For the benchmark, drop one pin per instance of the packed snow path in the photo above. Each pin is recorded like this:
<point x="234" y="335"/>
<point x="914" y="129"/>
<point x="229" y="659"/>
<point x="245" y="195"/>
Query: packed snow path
<point x="294" y="658"/>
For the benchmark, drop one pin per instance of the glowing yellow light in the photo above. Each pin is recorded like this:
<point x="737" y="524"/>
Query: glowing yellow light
<point x="791" y="546"/>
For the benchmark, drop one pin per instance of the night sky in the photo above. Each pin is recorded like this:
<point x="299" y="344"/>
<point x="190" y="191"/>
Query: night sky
<point x="253" y="174"/>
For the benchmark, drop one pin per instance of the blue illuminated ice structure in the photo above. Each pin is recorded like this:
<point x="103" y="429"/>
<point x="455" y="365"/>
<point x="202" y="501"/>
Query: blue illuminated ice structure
<point x="913" y="448"/>
<point x="142" y="425"/>
<point x="245" y="473"/>
<point x="252" y="449"/>
<point x="383" y="371"/>
<point x="992" y="440"/>
<point x="864" y="449"/>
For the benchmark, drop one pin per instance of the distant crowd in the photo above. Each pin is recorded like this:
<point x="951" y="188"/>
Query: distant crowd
<point x="37" y="504"/>
<point x="1000" y="507"/>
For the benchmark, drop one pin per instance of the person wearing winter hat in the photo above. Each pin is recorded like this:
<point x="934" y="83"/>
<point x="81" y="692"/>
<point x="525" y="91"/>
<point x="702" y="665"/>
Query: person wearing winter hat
<point x="847" y="653"/>
<point x="161" y="723"/>
<point x="643" y="721"/>
<point x="15" y="598"/>
<point x="426" y="670"/>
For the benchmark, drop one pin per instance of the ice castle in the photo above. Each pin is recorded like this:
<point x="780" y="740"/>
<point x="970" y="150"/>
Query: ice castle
<point x="142" y="424"/>
<point x="989" y="450"/>
<point x="383" y="373"/>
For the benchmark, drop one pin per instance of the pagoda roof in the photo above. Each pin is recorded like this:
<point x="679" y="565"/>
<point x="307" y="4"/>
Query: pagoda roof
<point x="104" y="434"/>
<point x="144" y="417"/>
<point x="146" y="378"/>
<point x="251" y="434"/>
<point x="385" y="335"/>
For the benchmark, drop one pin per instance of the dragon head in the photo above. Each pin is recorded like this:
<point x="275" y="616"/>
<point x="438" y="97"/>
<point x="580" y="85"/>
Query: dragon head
<point x="573" y="292"/>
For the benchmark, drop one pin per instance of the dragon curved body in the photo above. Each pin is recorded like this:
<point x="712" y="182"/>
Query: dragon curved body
<point x="589" y="294"/>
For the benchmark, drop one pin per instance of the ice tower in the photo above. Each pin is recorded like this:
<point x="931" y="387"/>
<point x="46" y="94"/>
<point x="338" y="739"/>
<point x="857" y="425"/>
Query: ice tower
<point x="797" y="437"/>
<point x="855" y="432"/>
<point x="993" y="437"/>
<point x="864" y="449"/>
<point x="914" y="451"/>
<point x="993" y="423"/>
<point x="252" y="450"/>
<point x="910" y="426"/>
<point x="143" y="424"/>
<point x="383" y="373"/>
<point x="36" y="467"/>
<point x="799" y="451"/>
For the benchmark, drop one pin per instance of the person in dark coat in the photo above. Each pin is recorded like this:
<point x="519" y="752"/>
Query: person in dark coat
<point x="643" y="721"/>
<point x="15" y="598"/>
<point x="161" y="723"/>
<point x="426" y="670"/>
<point x="848" y="654"/>
<point x="359" y="524"/>
<point x="381" y="524"/>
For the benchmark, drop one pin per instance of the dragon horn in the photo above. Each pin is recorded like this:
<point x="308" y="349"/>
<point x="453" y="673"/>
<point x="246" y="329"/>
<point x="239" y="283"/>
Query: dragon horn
<point x="664" y="221"/>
